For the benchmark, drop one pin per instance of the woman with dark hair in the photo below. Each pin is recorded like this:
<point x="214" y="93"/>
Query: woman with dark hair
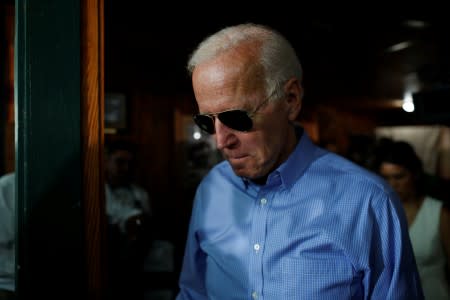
<point x="428" y="218"/>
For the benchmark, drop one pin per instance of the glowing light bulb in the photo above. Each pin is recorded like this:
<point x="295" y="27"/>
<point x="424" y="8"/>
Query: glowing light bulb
<point x="408" y="106"/>
<point x="197" y="135"/>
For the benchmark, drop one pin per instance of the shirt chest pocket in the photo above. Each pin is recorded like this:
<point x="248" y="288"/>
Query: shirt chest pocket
<point x="312" y="278"/>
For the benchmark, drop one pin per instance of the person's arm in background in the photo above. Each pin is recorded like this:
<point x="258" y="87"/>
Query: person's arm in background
<point x="144" y="199"/>
<point x="139" y="220"/>
<point x="445" y="234"/>
<point x="7" y="233"/>
<point x="7" y="209"/>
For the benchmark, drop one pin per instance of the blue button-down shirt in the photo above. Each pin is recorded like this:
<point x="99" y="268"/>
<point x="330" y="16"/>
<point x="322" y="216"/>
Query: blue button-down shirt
<point x="320" y="228"/>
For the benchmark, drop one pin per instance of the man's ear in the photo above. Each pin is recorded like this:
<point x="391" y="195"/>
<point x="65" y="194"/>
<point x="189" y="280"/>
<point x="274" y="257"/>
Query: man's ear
<point x="294" y="94"/>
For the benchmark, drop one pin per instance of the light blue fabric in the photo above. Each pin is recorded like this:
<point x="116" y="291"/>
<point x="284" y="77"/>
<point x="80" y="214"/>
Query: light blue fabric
<point x="7" y="232"/>
<point x="321" y="228"/>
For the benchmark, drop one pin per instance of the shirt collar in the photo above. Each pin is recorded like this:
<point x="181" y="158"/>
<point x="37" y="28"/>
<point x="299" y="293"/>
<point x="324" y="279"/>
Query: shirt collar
<point x="298" y="161"/>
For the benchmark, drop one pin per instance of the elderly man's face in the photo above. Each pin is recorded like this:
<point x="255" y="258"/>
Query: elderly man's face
<point x="233" y="81"/>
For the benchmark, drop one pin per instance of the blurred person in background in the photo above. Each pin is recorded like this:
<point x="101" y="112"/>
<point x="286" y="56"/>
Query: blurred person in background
<point x="129" y="213"/>
<point x="428" y="218"/>
<point x="7" y="236"/>
<point x="281" y="218"/>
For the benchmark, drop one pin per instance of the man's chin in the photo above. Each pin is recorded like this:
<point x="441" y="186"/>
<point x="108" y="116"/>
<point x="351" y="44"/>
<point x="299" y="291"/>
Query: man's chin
<point x="240" y="171"/>
<point x="244" y="172"/>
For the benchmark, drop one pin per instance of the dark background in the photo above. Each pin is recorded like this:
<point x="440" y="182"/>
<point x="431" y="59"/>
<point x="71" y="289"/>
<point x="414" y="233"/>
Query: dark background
<point x="344" y="50"/>
<point x="348" y="70"/>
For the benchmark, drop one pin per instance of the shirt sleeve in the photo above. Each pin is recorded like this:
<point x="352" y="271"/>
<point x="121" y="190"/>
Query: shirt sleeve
<point x="7" y="211"/>
<point x="393" y="273"/>
<point x="192" y="276"/>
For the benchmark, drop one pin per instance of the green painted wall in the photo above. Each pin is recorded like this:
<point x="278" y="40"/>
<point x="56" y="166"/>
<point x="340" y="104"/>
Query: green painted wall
<point x="48" y="150"/>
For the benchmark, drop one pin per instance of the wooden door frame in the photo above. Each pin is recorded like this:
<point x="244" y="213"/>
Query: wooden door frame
<point x="92" y="127"/>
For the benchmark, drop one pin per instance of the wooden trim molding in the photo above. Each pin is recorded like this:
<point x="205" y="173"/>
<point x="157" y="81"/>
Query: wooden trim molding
<point x="92" y="92"/>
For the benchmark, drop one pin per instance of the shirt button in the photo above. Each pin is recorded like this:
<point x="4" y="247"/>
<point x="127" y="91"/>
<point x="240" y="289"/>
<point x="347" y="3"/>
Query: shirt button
<point x="256" y="247"/>
<point x="263" y="201"/>
<point x="255" y="295"/>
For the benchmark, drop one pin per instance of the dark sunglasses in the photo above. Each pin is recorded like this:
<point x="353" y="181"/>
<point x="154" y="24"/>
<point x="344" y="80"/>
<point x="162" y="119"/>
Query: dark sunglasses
<point x="236" y="119"/>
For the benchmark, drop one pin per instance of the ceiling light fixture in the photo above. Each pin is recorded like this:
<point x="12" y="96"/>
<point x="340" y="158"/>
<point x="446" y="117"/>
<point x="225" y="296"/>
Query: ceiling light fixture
<point x="416" y="24"/>
<point x="399" y="46"/>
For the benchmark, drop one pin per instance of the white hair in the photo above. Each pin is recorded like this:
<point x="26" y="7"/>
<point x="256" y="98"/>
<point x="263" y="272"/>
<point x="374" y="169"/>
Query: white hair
<point x="276" y="54"/>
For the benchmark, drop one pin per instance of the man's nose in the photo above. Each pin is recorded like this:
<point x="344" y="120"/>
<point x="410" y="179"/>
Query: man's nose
<point x="224" y="135"/>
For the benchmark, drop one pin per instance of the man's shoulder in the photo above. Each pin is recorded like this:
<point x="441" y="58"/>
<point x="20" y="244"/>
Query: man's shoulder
<point x="221" y="168"/>
<point x="7" y="181"/>
<point x="221" y="174"/>
<point x="7" y="178"/>
<point x="340" y="168"/>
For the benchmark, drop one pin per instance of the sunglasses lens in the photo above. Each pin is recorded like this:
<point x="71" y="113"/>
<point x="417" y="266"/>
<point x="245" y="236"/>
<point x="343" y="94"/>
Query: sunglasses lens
<point x="206" y="123"/>
<point x="236" y="119"/>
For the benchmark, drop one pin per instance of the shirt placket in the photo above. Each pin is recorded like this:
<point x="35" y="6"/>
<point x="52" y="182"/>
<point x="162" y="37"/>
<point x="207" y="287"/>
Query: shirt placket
<point x="257" y="244"/>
